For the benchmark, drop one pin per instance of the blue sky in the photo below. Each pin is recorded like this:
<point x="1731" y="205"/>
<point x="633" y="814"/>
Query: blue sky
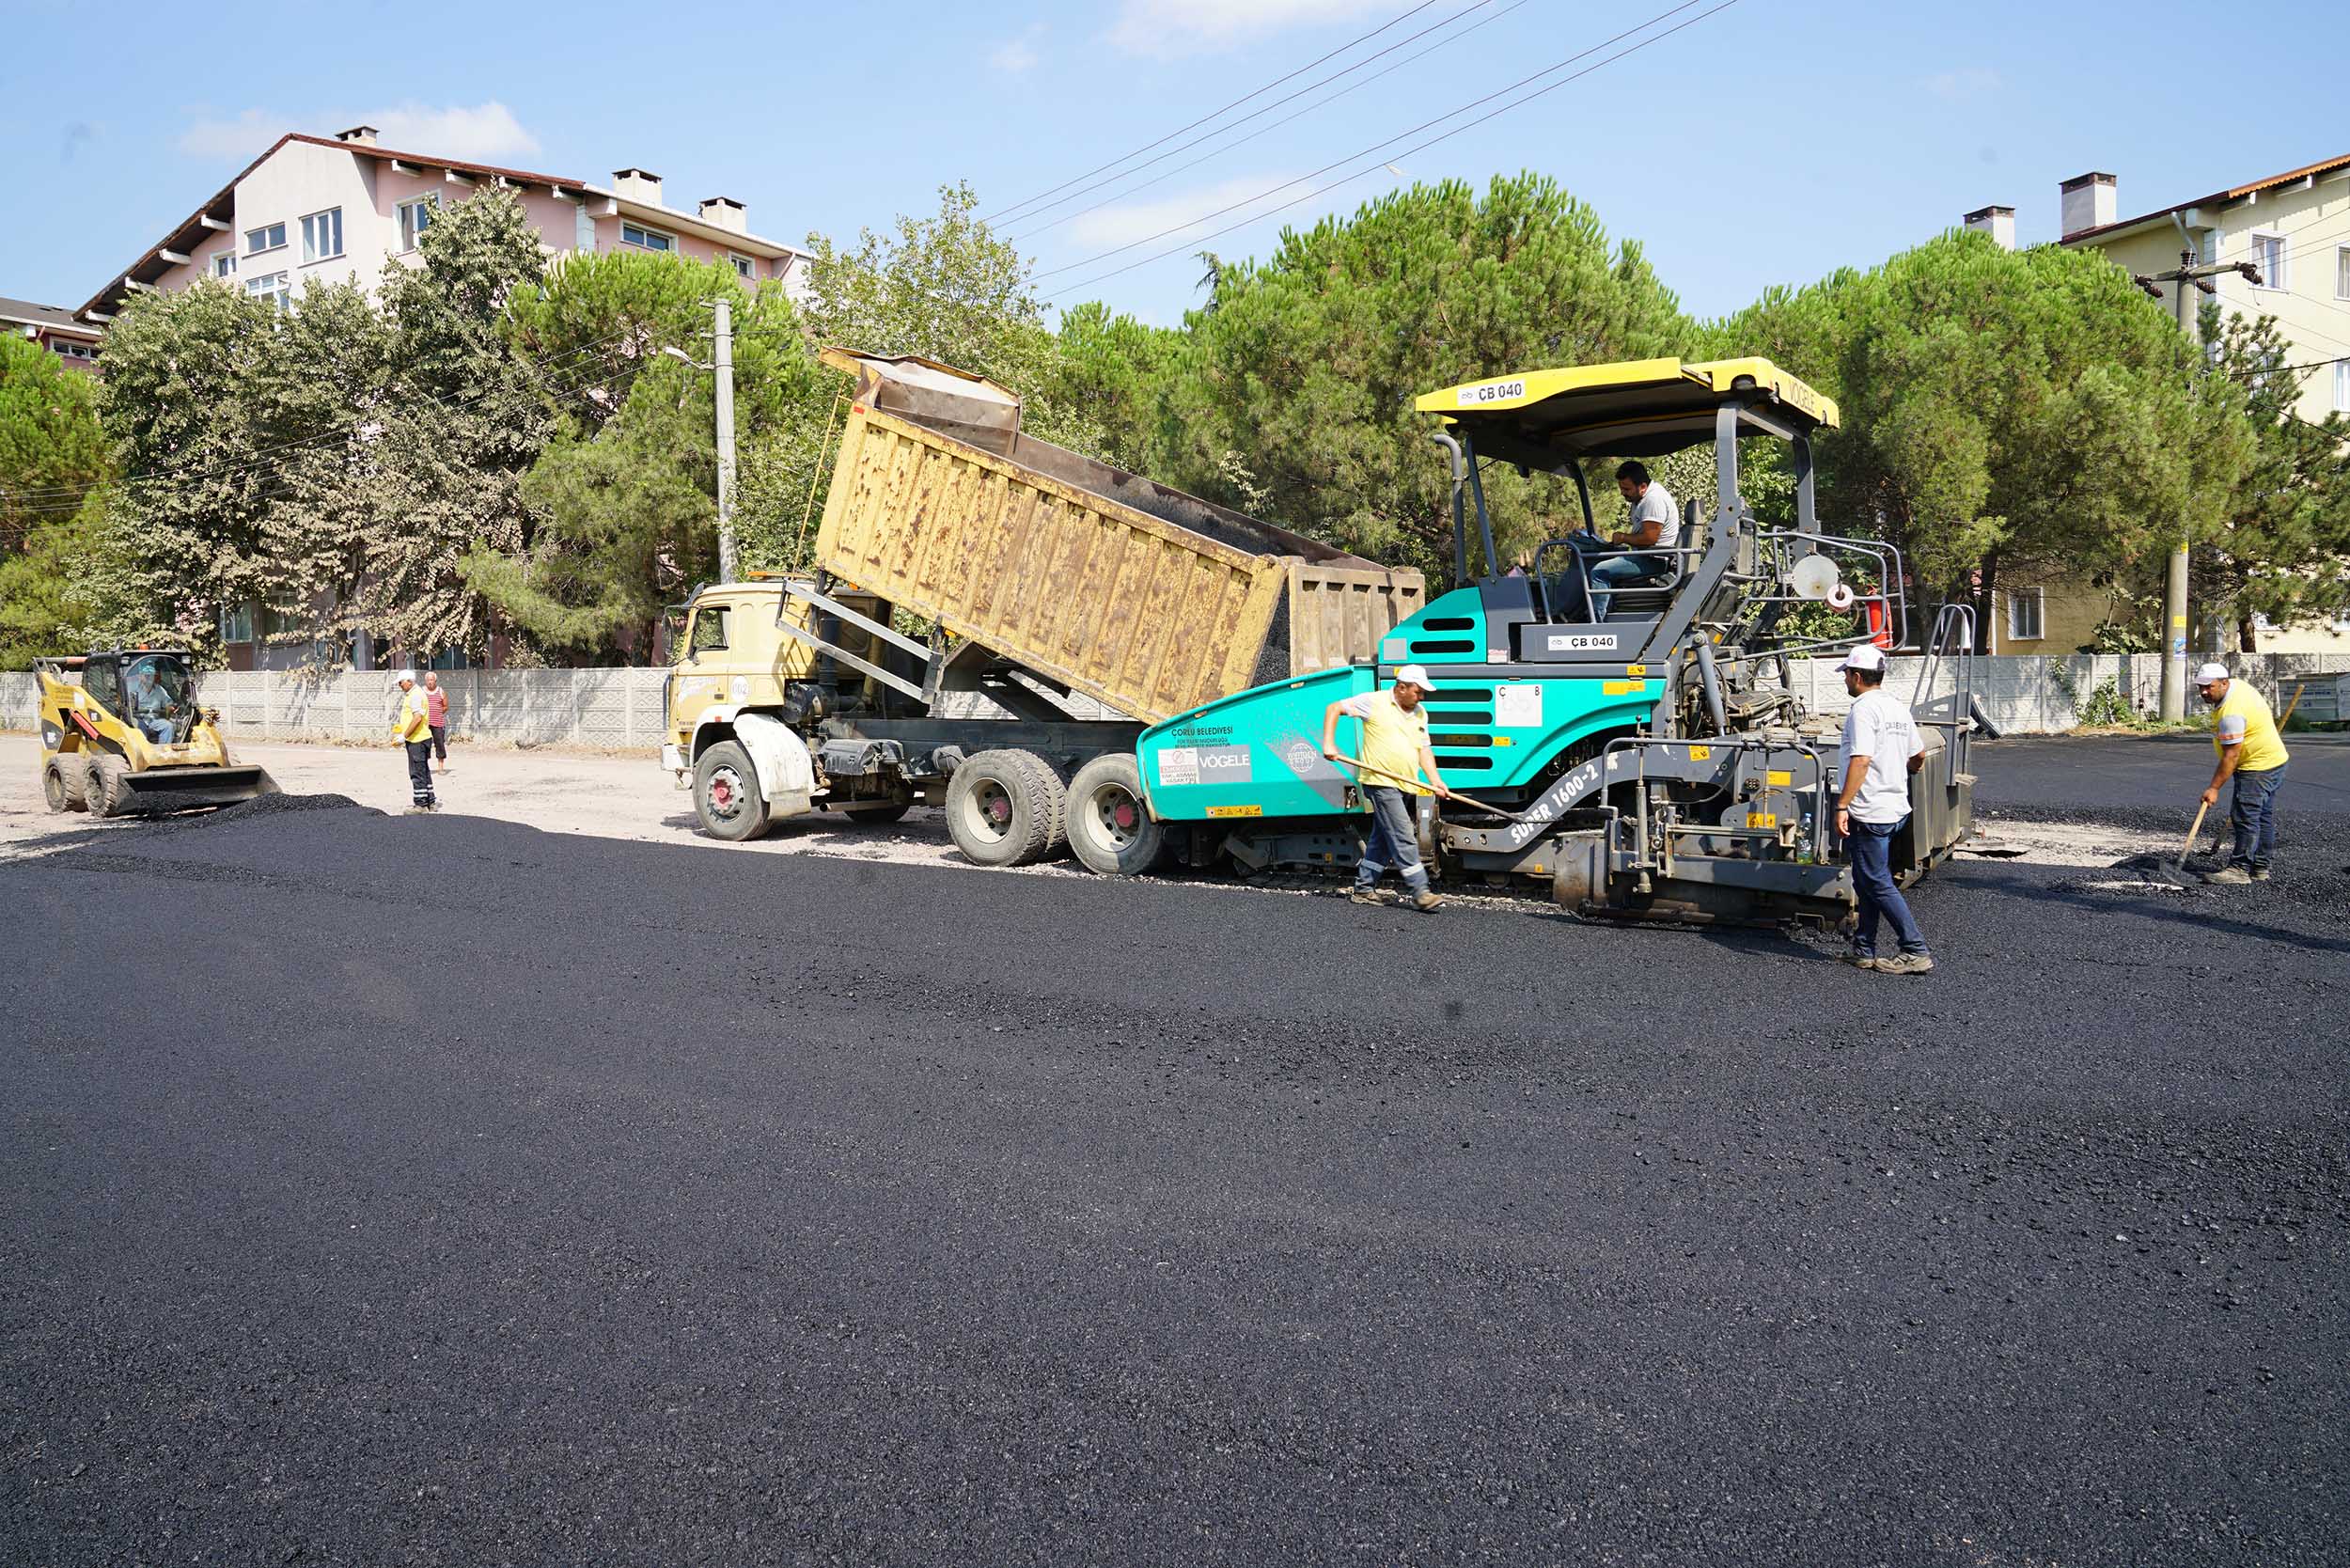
<point x="1769" y="143"/>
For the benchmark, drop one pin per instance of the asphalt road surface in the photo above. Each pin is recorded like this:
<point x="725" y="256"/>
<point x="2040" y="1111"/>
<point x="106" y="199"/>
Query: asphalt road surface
<point x="435" y="1190"/>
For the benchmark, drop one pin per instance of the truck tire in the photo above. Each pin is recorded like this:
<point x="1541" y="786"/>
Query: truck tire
<point x="878" y="814"/>
<point x="57" y="793"/>
<point x="725" y="795"/>
<point x="107" y="789"/>
<point x="1005" y="808"/>
<point x="1110" y="828"/>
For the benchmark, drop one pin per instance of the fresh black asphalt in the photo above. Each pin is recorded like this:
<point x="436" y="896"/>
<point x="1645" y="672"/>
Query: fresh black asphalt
<point x="403" y="1190"/>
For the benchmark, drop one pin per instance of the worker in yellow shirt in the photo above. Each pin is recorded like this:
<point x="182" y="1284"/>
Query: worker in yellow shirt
<point x="412" y="726"/>
<point x="2253" y="754"/>
<point x="1394" y="754"/>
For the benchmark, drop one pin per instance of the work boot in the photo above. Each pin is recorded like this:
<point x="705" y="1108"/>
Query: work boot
<point x="2261" y="875"/>
<point x="1427" y="902"/>
<point x="1906" y="963"/>
<point x="2229" y="876"/>
<point x="1368" y="895"/>
<point x="1861" y="960"/>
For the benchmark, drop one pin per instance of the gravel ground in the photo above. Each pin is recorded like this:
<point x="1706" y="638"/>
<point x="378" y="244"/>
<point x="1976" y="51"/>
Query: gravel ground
<point x="380" y="1189"/>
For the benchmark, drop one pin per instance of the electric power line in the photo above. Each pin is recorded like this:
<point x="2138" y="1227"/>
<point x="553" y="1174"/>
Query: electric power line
<point x="1005" y="211"/>
<point x="1380" y="147"/>
<point x="1285" y="119"/>
<point x="1209" y="135"/>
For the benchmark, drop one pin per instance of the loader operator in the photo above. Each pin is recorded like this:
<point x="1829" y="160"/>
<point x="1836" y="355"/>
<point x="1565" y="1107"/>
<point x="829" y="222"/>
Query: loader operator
<point x="1395" y="752"/>
<point x="151" y="706"/>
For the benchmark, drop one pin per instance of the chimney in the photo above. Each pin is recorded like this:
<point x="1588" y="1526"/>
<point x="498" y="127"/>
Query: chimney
<point x="358" y="136"/>
<point x="2087" y="201"/>
<point x="1998" y="222"/>
<point x="727" y="214"/>
<point x="637" y="185"/>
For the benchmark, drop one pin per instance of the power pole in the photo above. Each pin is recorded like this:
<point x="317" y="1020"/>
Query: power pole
<point x="2174" y="584"/>
<point x="725" y="368"/>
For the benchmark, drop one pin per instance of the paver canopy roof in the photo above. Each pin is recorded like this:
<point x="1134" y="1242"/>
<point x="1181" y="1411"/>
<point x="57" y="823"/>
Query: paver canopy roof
<point x="1638" y="408"/>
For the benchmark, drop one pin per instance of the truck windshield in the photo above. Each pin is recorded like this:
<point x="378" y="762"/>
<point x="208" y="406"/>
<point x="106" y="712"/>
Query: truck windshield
<point x="710" y="630"/>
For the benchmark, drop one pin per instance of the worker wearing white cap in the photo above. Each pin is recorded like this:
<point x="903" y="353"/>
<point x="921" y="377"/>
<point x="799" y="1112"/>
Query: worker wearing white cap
<point x="2253" y="754"/>
<point x="1881" y="750"/>
<point x="412" y="726"/>
<point x="1394" y="754"/>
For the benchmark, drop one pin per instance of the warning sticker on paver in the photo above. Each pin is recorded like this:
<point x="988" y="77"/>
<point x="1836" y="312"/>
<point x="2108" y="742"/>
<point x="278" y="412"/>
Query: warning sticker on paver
<point x="1518" y="705"/>
<point x="1235" y="810"/>
<point x="1179" y="764"/>
<point x="1761" y="819"/>
<point x="1780" y="777"/>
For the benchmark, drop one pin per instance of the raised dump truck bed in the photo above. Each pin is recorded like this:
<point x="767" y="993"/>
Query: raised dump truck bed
<point x="1145" y="599"/>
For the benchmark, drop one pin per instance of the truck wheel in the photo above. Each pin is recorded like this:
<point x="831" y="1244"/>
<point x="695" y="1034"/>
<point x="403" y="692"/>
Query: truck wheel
<point x="877" y="815"/>
<point x="1109" y="827"/>
<point x="60" y="796"/>
<point x="1005" y="808"/>
<point x="725" y="795"/>
<point x="107" y="789"/>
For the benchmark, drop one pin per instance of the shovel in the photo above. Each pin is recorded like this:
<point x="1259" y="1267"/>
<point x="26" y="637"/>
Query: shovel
<point x="1381" y="776"/>
<point x="2179" y="867"/>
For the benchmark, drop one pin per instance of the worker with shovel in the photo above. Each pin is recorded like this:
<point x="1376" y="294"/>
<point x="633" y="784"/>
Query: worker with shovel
<point x="1395" y="753"/>
<point x="2253" y="754"/>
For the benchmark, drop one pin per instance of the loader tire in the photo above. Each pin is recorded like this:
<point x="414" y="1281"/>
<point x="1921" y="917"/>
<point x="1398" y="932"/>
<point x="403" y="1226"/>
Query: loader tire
<point x="877" y="815"/>
<point x="1005" y="808"/>
<point x="1110" y="827"/>
<point x="58" y="793"/>
<point x="725" y="795"/>
<point x="107" y="791"/>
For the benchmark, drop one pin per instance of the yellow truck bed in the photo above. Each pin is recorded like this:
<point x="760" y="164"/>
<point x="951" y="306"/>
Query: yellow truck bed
<point x="1148" y="600"/>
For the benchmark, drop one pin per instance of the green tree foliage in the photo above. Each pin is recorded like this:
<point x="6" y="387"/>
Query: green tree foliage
<point x="2282" y="549"/>
<point x="1299" y="383"/>
<point x="51" y="448"/>
<point x="2016" y="413"/>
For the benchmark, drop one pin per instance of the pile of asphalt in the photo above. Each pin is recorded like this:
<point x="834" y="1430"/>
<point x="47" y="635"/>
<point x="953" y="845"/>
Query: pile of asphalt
<point x="434" y="1189"/>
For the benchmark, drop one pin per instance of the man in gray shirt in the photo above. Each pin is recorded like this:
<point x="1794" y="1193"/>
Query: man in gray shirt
<point x="1655" y="525"/>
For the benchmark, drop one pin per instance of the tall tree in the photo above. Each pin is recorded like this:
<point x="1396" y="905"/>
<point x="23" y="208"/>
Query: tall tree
<point x="2282" y="551"/>
<point x="1298" y="385"/>
<point x="51" y="451"/>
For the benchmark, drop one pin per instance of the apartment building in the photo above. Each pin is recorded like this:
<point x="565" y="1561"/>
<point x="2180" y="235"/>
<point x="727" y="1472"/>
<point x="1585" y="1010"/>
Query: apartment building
<point x="2293" y="230"/>
<point x="53" y="328"/>
<point x="339" y="208"/>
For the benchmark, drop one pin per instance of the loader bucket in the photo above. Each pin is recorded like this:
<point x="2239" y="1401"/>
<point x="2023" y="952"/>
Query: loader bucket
<point x="182" y="788"/>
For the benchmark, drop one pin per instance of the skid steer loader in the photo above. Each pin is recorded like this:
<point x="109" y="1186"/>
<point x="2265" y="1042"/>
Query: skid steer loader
<point x="127" y="737"/>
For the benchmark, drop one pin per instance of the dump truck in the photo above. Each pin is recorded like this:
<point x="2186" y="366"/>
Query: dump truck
<point x="1065" y="604"/>
<point x="1638" y="752"/>
<point x="121" y="733"/>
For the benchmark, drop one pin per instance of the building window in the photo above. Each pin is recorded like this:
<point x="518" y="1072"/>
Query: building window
<point x="744" y="268"/>
<point x="268" y="237"/>
<point x="2026" y="618"/>
<point x="224" y="264"/>
<point x="275" y="288"/>
<point x="415" y="218"/>
<point x="235" y="623"/>
<point x="2341" y="385"/>
<point x="2342" y="272"/>
<point x="2268" y="254"/>
<point x="646" y="239"/>
<point x="66" y="349"/>
<point x="322" y="236"/>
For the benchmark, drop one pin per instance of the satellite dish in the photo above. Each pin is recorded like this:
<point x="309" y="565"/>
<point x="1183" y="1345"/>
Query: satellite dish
<point x="1814" y="577"/>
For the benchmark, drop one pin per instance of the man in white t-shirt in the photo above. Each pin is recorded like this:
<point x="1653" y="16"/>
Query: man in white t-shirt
<point x="1653" y="525"/>
<point x="1881" y="750"/>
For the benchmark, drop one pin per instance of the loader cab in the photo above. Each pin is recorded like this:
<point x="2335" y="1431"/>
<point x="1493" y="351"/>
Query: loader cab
<point x="152" y="691"/>
<point x="1563" y="422"/>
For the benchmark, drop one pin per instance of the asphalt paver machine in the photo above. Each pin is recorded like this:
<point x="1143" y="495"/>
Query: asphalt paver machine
<point x="1647" y="752"/>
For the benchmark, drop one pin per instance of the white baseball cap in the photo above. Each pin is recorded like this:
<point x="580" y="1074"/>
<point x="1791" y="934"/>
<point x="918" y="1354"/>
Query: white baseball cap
<point x="2209" y="673"/>
<point x="405" y="678"/>
<point x="1416" y="675"/>
<point x="1868" y="656"/>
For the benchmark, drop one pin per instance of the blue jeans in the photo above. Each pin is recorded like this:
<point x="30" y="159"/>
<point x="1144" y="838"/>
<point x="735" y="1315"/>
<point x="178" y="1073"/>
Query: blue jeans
<point x="1871" y="845"/>
<point x="1617" y="572"/>
<point x="1394" y="841"/>
<point x="2253" y="814"/>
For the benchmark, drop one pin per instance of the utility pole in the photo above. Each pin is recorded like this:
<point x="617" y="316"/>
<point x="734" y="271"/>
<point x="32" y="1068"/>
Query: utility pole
<point x="725" y="368"/>
<point x="2174" y="584"/>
